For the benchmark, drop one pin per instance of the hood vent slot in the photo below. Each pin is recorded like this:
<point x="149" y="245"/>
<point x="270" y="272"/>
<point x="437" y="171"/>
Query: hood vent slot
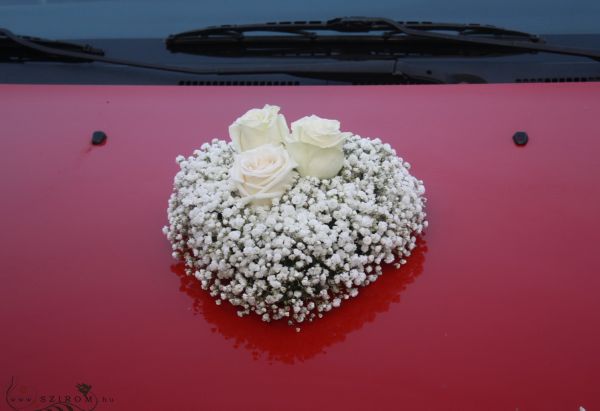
<point x="387" y="83"/>
<point x="237" y="83"/>
<point x="557" y="80"/>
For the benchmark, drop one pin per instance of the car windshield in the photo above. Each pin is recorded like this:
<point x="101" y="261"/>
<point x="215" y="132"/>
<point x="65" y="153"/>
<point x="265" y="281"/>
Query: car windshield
<point x="81" y="19"/>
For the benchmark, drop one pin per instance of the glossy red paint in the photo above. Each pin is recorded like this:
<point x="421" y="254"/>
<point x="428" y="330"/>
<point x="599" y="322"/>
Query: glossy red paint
<point x="499" y="307"/>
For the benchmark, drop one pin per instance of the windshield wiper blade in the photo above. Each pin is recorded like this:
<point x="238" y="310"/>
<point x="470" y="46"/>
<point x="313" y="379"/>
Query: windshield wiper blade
<point x="340" y="38"/>
<point x="377" y="69"/>
<point x="361" y="37"/>
<point x="11" y="49"/>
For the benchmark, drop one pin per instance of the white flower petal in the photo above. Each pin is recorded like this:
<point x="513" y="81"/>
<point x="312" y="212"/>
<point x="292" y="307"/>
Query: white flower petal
<point x="262" y="173"/>
<point x="317" y="146"/>
<point x="258" y="127"/>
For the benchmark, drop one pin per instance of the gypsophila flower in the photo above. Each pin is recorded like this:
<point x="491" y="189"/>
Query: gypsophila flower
<point x="317" y="244"/>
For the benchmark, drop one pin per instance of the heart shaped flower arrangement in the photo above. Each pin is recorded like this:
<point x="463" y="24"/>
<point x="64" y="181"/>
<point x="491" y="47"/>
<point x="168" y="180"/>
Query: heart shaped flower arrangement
<point x="290" y="224"/>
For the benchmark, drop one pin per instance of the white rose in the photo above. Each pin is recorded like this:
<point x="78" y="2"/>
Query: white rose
<point x="316" y="144"/>
<point x="258" y="127"/>
<point x="263" y="173"/>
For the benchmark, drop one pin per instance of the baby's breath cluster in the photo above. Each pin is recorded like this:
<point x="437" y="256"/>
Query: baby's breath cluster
<point x="313" y="248"/>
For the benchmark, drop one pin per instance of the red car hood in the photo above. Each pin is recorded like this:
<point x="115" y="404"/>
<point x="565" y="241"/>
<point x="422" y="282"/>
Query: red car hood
<point x="498" y="308"/>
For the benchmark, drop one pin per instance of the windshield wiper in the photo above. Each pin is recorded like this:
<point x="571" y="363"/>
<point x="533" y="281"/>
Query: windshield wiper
<point x="382" y="70"/>
<point x="361" y="38"/>
<point x="15" y="51"/>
